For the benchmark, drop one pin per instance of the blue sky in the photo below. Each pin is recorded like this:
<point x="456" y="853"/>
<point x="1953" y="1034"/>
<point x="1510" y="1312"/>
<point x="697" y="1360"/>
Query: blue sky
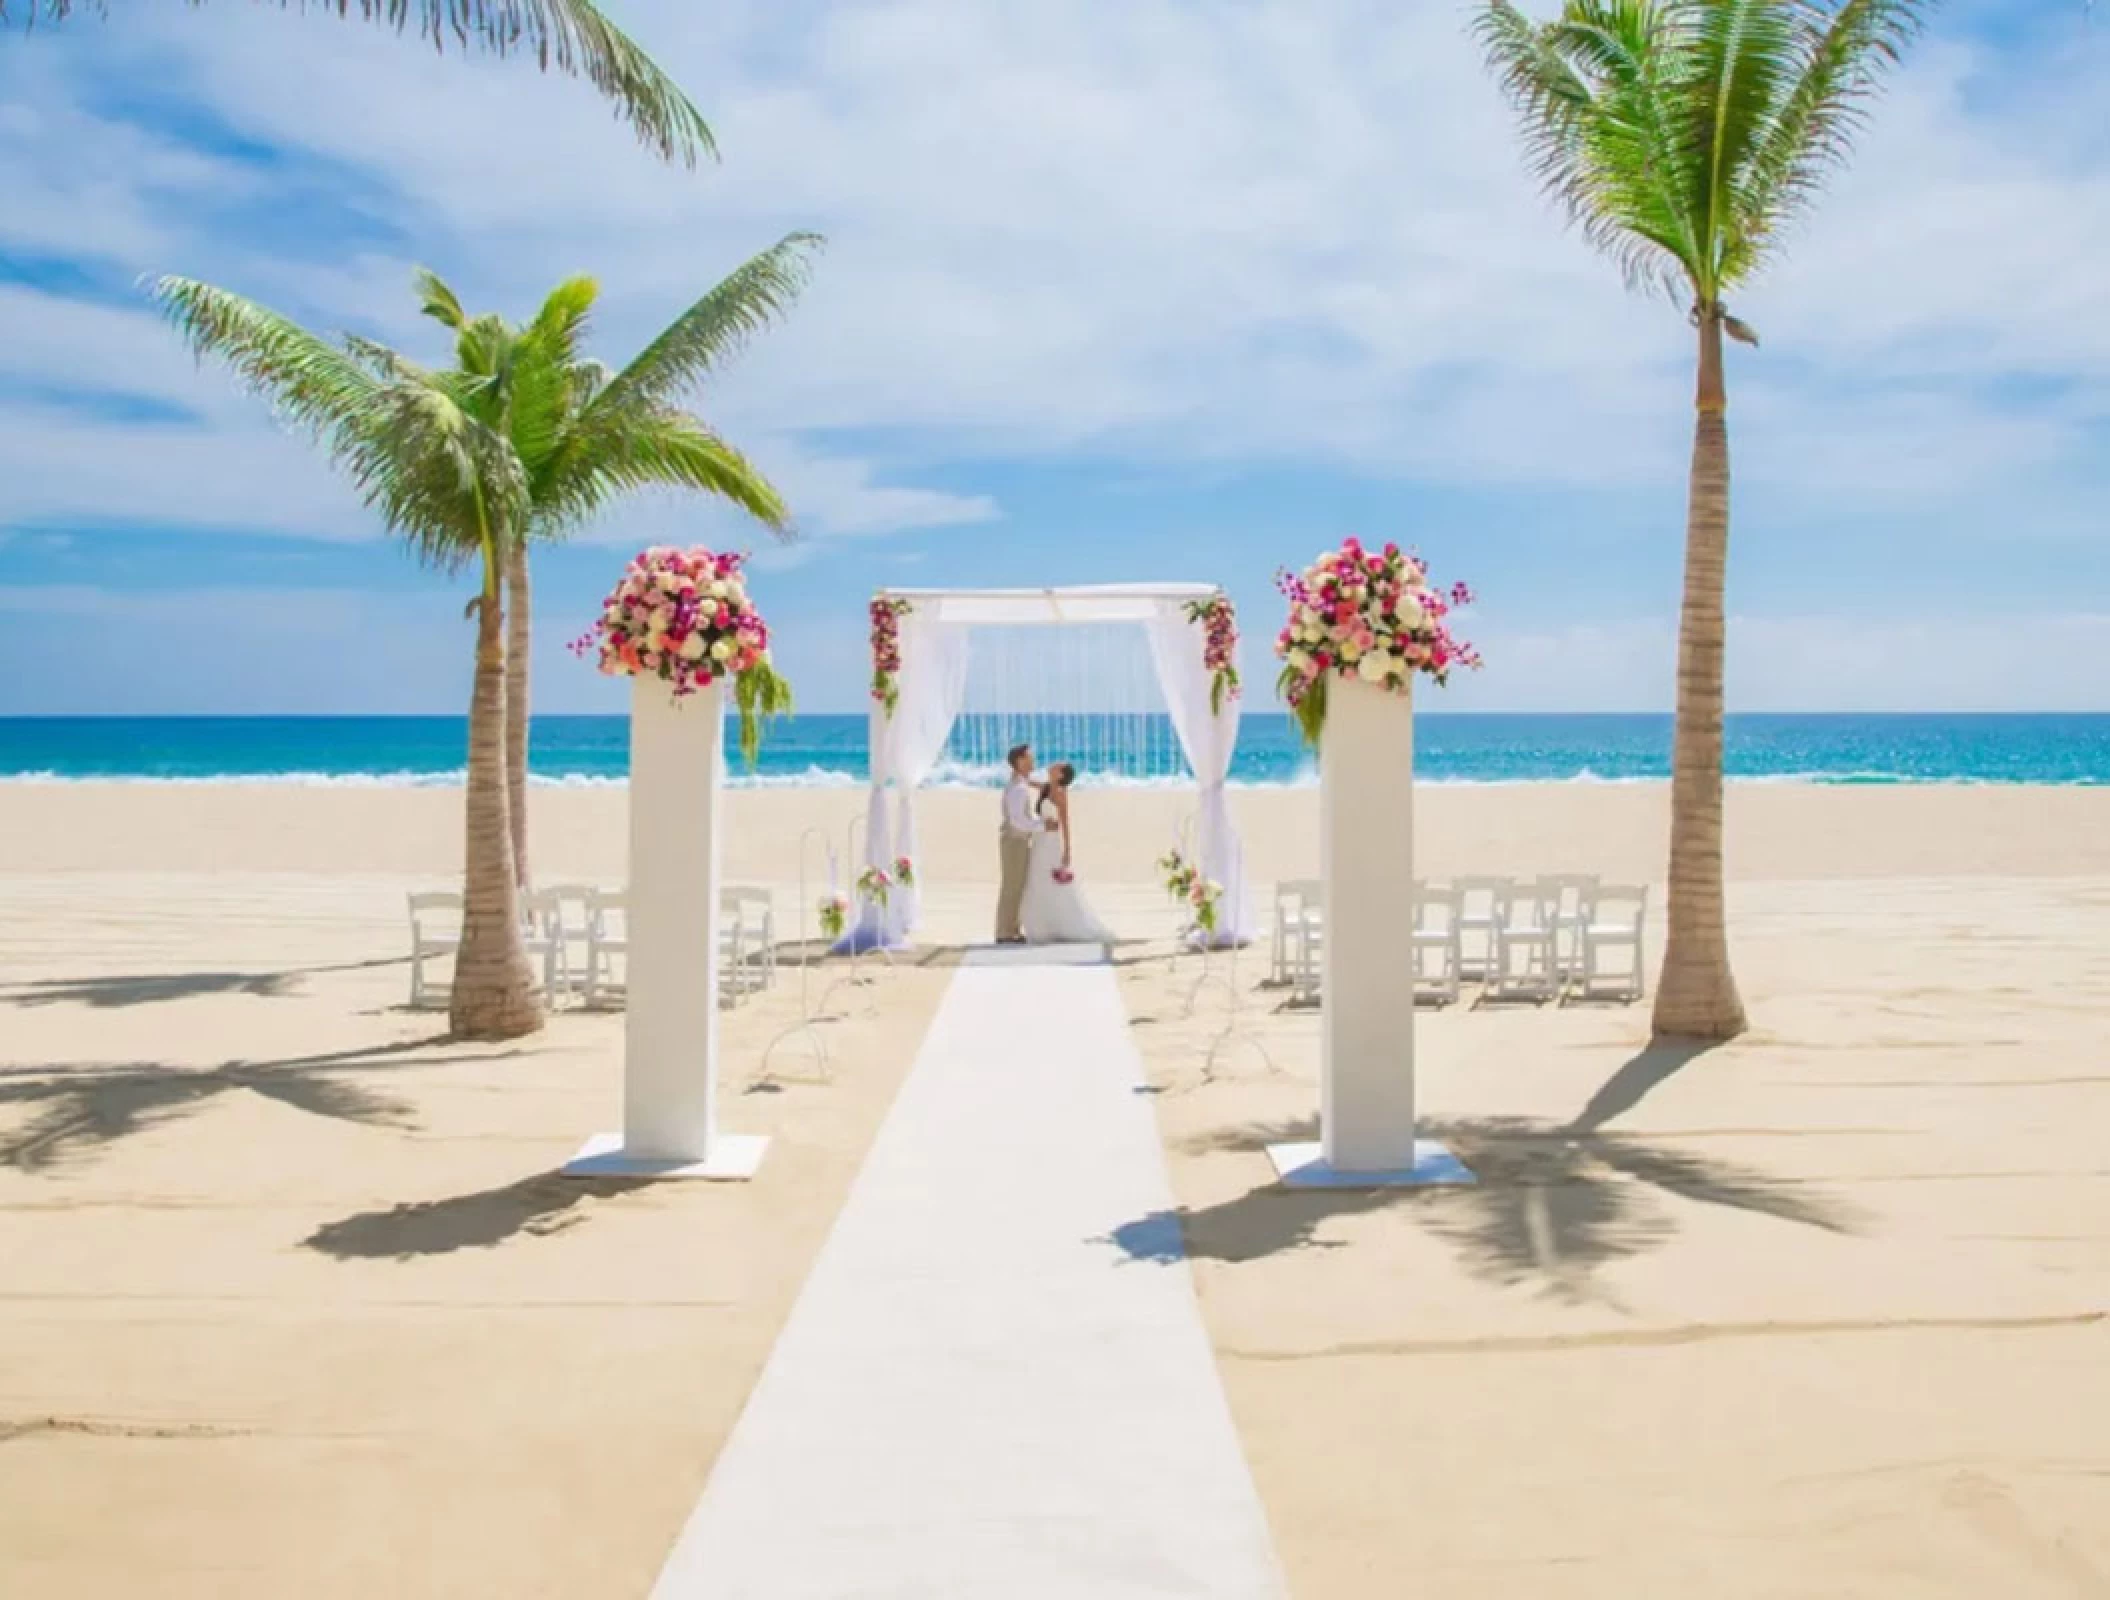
<point x="1158" y="291"/>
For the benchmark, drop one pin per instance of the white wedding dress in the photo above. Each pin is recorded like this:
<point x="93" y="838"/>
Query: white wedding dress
<point x="1056" y="913"/>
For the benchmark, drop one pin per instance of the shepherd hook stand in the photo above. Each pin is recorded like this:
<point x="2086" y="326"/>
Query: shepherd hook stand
<point x="824" y="1069"/>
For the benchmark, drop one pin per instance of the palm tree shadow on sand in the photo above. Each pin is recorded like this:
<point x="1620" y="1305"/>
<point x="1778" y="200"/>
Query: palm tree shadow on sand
<point x="540" y="1205"/>
<point x="82" y="1110"/>
<point x="155" y="988"/>
<point x="1554" y="1201"/>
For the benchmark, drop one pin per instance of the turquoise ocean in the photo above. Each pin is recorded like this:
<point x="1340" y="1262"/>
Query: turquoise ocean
<point x="830" y="750"/>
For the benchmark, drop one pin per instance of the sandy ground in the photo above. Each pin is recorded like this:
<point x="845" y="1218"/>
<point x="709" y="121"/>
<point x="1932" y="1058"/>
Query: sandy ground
<point x="292" y="1305"/>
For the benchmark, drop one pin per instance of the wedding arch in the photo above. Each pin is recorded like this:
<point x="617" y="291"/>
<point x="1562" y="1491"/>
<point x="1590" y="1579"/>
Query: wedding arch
<point x="923" y="658"/>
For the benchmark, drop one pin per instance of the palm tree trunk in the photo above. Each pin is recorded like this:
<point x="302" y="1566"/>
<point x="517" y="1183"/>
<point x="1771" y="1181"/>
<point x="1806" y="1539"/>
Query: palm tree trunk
<point x="1697" y="998"/>
<point x="494" y="987"/>
<point x="518" y="627"/>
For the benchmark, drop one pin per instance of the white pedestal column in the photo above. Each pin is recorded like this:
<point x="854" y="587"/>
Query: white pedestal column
<point x="670" y="1022"/>
<point x="1366" y="856"/>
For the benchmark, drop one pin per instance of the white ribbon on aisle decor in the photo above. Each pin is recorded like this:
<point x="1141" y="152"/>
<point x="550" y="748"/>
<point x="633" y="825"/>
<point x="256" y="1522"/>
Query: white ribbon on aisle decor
<point x="1208" y="739"/>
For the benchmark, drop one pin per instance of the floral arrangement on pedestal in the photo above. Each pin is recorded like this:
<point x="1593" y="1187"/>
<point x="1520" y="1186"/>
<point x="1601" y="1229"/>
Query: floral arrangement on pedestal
<point x="685" y="616"/>
<point x="835" y="916"/>
<point x="873" y="884"/>
<point x="1219" y="621"/>
<point x="905" y="872"/>
<point x="1371" y="615"/>
<point x="887" y="613"/>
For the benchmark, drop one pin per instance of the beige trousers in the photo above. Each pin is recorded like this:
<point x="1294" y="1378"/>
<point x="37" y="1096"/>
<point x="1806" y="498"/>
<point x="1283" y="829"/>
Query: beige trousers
<point x="1014" y="852"/>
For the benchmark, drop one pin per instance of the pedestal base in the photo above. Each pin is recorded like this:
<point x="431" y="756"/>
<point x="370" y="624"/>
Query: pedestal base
<point x="734" y="1157"/>
<point x="1303" y="1166"/>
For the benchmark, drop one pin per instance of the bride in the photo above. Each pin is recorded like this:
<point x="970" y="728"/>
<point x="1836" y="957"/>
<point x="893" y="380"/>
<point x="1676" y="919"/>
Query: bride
<point x="1055" y="910"/>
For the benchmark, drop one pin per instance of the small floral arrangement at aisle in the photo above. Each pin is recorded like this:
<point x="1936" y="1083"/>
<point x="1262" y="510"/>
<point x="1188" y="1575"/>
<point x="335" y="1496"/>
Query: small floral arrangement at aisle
<point x="1219" y="620"/>
<point x="905" y="872"/>
<point x="685" y="616"/>
<point x="835" y="916"/>
<point x="1368" y="614"/>
<point x="873" y="884"/>
<point x="1180" y="878"/>
<point x="1205" y="895"/>
<point x="887" y="613"/>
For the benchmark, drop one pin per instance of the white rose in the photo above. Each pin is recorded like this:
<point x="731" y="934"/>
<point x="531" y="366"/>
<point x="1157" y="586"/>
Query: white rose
<point x="1301" y="660"/>
<point x="1410" y="611"/>
<point x="1372" y="668"/>
<point x="722" y="650"/>
<point x="717" y="588"/>
<point x="734" y="592"/>
<point x="692" y="647"/>
<point x="1350" y="651"/>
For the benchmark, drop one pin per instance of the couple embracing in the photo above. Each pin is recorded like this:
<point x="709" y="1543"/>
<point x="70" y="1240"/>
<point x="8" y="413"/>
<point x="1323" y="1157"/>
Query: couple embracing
<point x="1038" y="901"/>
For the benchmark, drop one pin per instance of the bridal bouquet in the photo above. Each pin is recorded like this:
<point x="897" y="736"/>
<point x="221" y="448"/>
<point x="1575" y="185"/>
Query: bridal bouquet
<point x="685" y="616"/>
<point x="873" y="883"/>
<point x="835" y="915"/>
<point x="1372" y="615"/>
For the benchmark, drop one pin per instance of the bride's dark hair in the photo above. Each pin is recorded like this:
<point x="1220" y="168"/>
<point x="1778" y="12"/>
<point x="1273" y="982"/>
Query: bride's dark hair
<point x="1060" y="776"/>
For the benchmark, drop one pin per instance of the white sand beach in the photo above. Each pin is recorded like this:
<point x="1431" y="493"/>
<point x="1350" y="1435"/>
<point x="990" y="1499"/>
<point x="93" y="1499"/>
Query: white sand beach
<point x="295" y="1306"/>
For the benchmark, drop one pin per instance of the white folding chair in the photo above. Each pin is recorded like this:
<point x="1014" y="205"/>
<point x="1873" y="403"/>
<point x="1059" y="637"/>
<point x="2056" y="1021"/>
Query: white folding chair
<point x="1291" y="897"/>
<point x="428" y="913"/>
<point x="752" y="911"/>
<point x="1617" y="915"/>
<point x="539" y="937"/>
<point x="1478" y="902"/>
<point x="1571" y="893"/>
<point x="561" y="911"/>
<point x="1524" y="964"/>
<point x="607" y="936"/>
<point x="1306" y="933"/>
<point x="1436" y="935"/>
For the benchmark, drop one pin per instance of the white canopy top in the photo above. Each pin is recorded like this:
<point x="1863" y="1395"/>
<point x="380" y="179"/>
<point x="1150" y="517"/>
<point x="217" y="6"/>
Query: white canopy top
<point x="1111" y="602"/>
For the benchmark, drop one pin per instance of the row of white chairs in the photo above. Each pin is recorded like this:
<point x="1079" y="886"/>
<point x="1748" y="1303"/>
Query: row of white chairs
<point x="580" y="937"/>
<point x="1566" y="935"/>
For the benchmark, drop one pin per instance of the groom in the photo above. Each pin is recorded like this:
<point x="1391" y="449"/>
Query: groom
<point x="1015" y="844"/>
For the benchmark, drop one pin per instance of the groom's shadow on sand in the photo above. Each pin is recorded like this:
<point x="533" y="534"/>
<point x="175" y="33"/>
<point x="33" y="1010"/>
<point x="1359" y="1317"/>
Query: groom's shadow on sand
<point x="1553" y="1202"/>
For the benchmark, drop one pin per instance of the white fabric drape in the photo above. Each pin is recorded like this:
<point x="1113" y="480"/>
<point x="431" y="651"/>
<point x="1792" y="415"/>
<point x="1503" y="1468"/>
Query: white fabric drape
<point x="904" y="747"/>
<point x="1208" y="739"/>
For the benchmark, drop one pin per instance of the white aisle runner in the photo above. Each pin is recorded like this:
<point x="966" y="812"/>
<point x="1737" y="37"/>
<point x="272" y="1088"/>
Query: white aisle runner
<point x="978" y="1393"/>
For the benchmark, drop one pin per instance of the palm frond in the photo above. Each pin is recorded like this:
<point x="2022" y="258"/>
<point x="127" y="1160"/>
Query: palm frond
<point x="572" y="37"/>
<point x="609" y="456"/>
<point x="1842" y="59"/>
<point x="312" y="383"/>
<point x="703" y="337"/>
<point x="1745" y="56"/>
<point x="445" y="482"/>
<point x="436" y="300"/>
<point x="1591" y="91"/>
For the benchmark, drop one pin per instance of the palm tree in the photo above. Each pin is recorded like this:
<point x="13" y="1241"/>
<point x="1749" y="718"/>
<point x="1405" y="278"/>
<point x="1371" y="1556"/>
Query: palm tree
<point x="1682" y="136"/>
<point x="452" y="487"/>
<point x="570" y="35"/>
<point x="585" y="437"/>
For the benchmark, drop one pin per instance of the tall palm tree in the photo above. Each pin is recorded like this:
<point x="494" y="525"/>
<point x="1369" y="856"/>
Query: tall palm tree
<point x="585" y="437"/>
<point x="452" y="487"/>
<point x="573" y="36"/>
<point x="1682" y="136"/>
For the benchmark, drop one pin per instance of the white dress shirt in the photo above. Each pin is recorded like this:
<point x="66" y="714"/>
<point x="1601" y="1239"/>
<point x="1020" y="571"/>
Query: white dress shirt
<point x="1018" y="807"/>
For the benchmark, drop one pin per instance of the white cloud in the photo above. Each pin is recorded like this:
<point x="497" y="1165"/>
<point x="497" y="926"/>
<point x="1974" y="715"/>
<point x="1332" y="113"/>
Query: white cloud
<point x="1293" y="230"/>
